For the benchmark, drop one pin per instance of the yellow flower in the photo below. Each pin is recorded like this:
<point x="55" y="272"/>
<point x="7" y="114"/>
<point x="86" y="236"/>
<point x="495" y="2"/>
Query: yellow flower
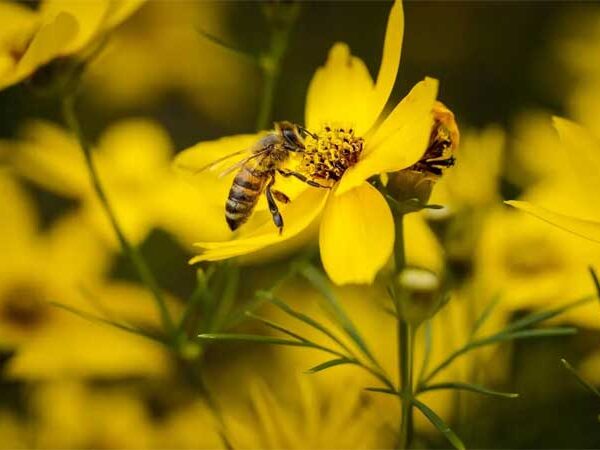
<point x="343" y="103"/>
<point x="133" y="159"/>
<point x="162" y="52"/>
<point x="60" y="265"/>
<point x="31" y="39"/>
<point x="574" y="194"/>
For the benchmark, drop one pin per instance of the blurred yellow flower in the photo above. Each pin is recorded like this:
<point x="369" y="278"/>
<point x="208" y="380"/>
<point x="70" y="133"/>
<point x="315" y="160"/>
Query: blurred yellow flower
<point x="133" y="160"/>
<point x="59" y="28"/>
<point x="356" y="232"/>
<point x="574" y="193"/>
<point x="60" y="265"/>
<point x="162" y="53"/>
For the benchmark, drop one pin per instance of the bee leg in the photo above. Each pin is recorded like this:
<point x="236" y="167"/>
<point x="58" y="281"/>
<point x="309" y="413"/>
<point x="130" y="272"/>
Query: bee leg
<point x="289" y="173"/>
<point x="277" y="218"/>
<point x="280" y="196"/>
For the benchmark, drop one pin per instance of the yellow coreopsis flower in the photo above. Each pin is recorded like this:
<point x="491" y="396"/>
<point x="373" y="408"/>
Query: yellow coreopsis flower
<point x="575" y="193"/>
<point x="31" y="39"/>
<point x="134" y="162"/>
<point x="356" y="234"/>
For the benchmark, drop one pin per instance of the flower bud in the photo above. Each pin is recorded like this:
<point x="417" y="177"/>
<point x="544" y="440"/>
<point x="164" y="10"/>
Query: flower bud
<point x="417" y="181"/>
<point x="421" y="295"/>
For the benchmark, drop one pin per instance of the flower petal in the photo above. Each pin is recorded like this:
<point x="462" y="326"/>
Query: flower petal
<point x="587" y="229"/>
<point x="339" y="92"/>
<point x="390" y="60"/>
<point x="400" y="140"/>
<point x="297" y="215"/>
<point x="356" y="236"/>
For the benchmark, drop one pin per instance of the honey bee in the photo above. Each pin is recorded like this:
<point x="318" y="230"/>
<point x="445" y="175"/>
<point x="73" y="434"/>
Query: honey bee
<point x="256" y="174"/>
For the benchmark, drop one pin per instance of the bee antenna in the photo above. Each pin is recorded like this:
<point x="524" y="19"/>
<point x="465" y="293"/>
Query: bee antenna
<point x="304" y="130"/>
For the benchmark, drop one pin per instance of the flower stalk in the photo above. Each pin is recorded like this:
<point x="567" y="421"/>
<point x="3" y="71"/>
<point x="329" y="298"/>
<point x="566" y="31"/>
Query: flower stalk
<point x="405" y="343"/>
<point x="282" y="19"/>
<point x="140" y="265"/>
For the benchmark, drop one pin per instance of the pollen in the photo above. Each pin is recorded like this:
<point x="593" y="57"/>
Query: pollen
<point x="330" y="152"/>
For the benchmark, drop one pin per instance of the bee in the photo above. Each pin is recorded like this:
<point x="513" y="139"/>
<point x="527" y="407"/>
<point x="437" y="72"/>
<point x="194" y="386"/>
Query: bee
<point x="256" y="174"/>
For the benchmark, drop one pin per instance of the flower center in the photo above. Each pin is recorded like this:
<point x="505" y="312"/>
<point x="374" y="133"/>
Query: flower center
<point x="330" y="152"/>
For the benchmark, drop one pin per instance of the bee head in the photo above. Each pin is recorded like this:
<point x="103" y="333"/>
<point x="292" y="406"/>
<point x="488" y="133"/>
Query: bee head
<point x="292" y="134"/>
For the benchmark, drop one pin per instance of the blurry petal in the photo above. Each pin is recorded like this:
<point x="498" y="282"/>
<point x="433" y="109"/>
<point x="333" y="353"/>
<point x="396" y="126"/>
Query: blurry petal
<point x="356" y="236"/>
<point x="339" y="92"/>
<point x="88" y="16"/>
<point x="120" y="10"/>
<point x="587" y="229"/>
<point x="390" y="60"/>
<point x="50" y="41"/>
<point x="297" y="216"/>
<point x="400" y="140"/>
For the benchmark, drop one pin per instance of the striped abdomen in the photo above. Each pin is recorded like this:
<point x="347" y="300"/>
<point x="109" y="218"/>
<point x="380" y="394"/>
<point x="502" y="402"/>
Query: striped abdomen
<point x="245" y="191"/>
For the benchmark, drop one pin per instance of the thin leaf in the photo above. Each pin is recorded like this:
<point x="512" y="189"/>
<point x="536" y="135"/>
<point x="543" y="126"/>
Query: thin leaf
<point x="254" y="338"/>
<point x="469" y="387"/>
<point x="538" y="317"/>
<point x="309" y="321"/>
<point x="435" y="420"/>
<point x="249" y="56"/>
<point x="227" y="299"/>
<point x="439" y="424"/>
<point x="276" y="326"/>
<point x="596" y="281"/>
<point x="331" y="363"/>
<point x="589" y="386"/>
<point x="101" y="320"/>
<point x="485" y="314"/>
<point x="323" y="286"/>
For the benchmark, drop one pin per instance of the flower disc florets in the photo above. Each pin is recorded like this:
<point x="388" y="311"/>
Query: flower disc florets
<point x="330" y="152"/>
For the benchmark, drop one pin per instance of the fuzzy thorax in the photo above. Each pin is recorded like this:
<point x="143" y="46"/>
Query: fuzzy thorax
<point x="330" y="152"/>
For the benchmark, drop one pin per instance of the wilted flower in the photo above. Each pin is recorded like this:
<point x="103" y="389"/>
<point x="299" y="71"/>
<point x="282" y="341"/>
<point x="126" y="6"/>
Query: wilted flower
<point x="346" y="146"/>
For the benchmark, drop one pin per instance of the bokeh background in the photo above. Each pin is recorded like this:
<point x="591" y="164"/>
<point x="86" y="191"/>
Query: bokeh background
<point x="161" y="86"/>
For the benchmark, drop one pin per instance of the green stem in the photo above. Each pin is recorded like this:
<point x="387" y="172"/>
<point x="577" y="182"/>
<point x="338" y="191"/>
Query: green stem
<point x="270" y="63"/>
<point x="144" y="272"/>
<point x="405" y="336"/>
<point x="405" y="356"/>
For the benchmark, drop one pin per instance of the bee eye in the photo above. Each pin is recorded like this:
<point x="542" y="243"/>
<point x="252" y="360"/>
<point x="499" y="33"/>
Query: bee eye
<point x="290" y="135"/>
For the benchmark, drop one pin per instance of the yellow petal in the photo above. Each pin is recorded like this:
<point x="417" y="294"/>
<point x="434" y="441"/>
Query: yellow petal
<point x="297" y="216"/>
<point x="356" y="236"/>
<point x="120" y="10"/>
<point x="339" y="92"/>
<point x="390" y="60"/>
<point x="400" y="140"/>
<point x="87" y="14"/>
<point x="50" y="41"/>
<point x="587" y="229"/>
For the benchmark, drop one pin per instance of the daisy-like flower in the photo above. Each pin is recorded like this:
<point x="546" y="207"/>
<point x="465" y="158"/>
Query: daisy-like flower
<point x="31" y="39"/>
<point x="351" y="141"/>
<point x="573" y="198"/>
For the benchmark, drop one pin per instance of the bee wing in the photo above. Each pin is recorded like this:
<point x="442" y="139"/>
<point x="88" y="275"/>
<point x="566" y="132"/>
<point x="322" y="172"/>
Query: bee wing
<point x="239" y="164"/>
<point x="213" y="164"/>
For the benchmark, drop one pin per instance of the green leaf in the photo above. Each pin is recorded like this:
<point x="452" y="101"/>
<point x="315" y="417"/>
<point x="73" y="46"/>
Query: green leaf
<point x="485" y="314"/>
<point x="589" y="386"/>
<point x="308" y="320"/>
<point x="331" y="363"/>
<point x="439" y="424"/>
<point x="538" y="317"/>
<point x="431" y="416"/>
<point x="469" y="387"/>
<point x="276" y="326"/>
<point x="101" y="320"/>
<point x="596" y="281"/>
<point x="523" y="334"/>
<point x="245" y="54"/>
<point x="227" y="300"/>
<point x="253" y="338"/>
<point x="323" y="286"/>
